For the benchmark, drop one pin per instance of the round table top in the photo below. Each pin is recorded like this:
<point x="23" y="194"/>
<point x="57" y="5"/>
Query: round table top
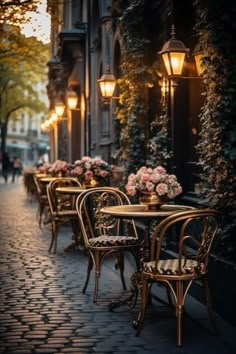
<point x="50" y="178"/>
<point x="41" y="175"/>
<point x="70" y="189"/>
<point x="142" y="211"/>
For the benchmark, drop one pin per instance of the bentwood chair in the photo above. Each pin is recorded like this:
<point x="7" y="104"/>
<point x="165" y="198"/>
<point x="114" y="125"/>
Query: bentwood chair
<point x="196" y="230"/>
<point x="104" y="235"/>
<point x="42" y="198"/>
<point x="61" y="208"/>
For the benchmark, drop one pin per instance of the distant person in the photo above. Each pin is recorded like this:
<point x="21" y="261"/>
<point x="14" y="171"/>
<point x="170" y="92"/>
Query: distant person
<point x="16" y="168"/>
<point x="40" y="161"/>
<point x="6" y="163"/>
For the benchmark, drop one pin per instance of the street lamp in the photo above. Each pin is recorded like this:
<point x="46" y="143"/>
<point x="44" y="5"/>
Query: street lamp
<point x="107" y="84"/>
<point x="173" y="54"/>
<point x="59" y="109"/>
<point x="197" y="53"/>
<point x="72" y="99"/>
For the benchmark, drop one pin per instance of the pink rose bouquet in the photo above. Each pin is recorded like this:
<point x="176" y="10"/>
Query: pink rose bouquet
<point x="153" y="180"/>
<point x="59" y="166"/>
<point x="88" y="168"/>
<point x="45" y="167"/>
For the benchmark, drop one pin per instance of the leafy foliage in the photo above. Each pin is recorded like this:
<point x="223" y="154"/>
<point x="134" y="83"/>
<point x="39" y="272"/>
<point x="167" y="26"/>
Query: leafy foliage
<point x="22" y="68"/>
<point x="217" y="146"/>
<point x="137" y="76"/>
<point x="13" y="11"/>
<point x="158" y="142"/>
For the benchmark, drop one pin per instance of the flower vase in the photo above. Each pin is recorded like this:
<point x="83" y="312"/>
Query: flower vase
<point x="92" y="182"/>
<point x="152" y="200"/>
<point x="61" y="173"/>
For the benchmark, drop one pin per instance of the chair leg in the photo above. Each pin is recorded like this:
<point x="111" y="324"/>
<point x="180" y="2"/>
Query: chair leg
<point x="98" y="258"/>
<point x="179" y="311"/>
<point x="89" y="268"/>
<point x="41" y="209"/>
<point x="138" y="323"/>
<point x="54" y="237"/>
<point x="208" y="303"/>
<point x="120" y="259"/>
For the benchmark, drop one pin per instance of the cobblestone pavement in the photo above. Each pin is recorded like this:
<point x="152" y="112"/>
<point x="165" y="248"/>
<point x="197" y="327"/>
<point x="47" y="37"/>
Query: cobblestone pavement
<point x="42" y="309"/>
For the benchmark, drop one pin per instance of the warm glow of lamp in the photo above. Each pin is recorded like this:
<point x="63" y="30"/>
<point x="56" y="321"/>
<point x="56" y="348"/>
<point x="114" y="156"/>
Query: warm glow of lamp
<point x="107" y="84"/>
<point x="173" y="54"/>
<point x="47" y="124"/>
<point x="53" y="116"/>
<point x="59" y="109"/>
<point x="43" y="127"/>
<point x="72" y="99"/>
<point x="197" y="53"/>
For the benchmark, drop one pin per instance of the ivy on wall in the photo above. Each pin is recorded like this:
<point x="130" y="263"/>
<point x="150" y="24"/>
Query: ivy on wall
<point x="137" y="76"/>
<point x="215" y="25"/>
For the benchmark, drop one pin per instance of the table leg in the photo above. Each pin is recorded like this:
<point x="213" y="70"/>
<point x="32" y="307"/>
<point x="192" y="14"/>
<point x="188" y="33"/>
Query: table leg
<point x="77" y="239"/>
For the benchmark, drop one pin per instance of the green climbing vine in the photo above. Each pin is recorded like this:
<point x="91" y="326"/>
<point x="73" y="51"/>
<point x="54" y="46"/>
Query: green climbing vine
<point x="137" y="76"/>
<point x="217" y="144"/>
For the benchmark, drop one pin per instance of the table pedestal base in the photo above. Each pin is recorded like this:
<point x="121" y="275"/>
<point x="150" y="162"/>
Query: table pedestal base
<point x="131" y="300"/>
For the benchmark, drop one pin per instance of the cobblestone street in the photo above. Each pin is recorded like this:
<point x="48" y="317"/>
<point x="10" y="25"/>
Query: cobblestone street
<point x="44" y="311"/>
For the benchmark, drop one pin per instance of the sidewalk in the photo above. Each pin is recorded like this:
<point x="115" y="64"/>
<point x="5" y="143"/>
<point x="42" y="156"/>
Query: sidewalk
<point x="43" y="310"/>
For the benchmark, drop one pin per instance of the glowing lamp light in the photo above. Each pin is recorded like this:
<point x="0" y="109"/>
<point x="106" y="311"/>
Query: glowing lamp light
<point x="59" y="109"/>
<point x="107" y="84"/>
<point x="53" y="117"/>
<point x="72" y="99"/>
<point x="173" y="54"/>
<point x="197" y="53"/>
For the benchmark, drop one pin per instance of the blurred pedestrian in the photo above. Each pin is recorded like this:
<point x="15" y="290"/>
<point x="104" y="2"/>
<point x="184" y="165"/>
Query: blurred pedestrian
<point x="5" y="165"/>
<point x="40" y="161"/>
<point x="16" y="168"/>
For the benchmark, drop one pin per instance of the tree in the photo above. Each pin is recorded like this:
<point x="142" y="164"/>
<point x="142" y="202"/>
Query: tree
<point x="22" y="67"/>
<point x="14" y="11"/>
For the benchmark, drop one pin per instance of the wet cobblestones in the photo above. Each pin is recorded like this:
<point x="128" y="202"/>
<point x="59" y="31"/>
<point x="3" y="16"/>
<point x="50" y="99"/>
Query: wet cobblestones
<point x="42" y="308"/>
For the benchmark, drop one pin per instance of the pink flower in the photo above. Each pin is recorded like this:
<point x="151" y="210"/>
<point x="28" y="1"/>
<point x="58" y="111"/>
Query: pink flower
<point x="103" y="173"/>
<point x="131" y="190"/>
<point x="85" y="158"/>
<point x="160" y="169"/>
<point x="145" y="178"/>
<point x="161" y="189"/>
<point x="88" y="174"/>
<point x="77" y="171"/>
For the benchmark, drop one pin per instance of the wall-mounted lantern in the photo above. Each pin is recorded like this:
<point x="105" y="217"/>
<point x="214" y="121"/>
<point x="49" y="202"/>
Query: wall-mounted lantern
<point x="72" y="99"/>
<point x="59" y="109"/>
<point x="107" y="84"/>
<point x="197" y="53"/>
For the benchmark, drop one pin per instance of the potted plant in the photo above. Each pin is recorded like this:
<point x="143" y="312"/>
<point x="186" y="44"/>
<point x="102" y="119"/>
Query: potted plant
<point x="154" y="185"/>
<point x="91" y="171"/>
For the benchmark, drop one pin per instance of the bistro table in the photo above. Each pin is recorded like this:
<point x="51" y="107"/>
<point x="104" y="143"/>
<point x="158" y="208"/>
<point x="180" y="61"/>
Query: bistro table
<point x="44" y="181"/>
<point x="144" y="214"/>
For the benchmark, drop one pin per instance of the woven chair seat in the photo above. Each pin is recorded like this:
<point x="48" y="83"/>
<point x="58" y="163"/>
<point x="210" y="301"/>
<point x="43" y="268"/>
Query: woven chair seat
<point x="171" y="267"/>
<point x="65" y="213"/>
<point x="112" y="241"/>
